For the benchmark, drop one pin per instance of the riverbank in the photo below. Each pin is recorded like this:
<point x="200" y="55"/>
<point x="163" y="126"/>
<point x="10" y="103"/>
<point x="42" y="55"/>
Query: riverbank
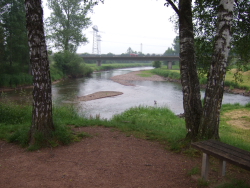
<point x="6" y="89"/>
<point x="135" y="76"/>
<point x="125" y="79"/>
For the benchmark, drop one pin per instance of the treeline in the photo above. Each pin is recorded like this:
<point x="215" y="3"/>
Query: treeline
<point x="15" y="68"/>
<point x="14" y="50"/>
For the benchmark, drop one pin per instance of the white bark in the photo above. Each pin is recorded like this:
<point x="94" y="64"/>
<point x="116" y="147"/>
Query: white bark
<point x="215" y="87"/>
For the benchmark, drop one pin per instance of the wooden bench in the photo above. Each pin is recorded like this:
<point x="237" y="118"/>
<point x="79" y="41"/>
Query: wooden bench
<point x="224" y="152"/>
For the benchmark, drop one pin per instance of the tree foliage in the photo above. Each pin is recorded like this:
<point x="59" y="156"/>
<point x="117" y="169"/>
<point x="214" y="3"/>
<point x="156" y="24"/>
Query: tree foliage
<point x="156" y="64"/>
<point x="71" y="64"/>
<point x="176" y="45"/>
<point x="13" y="37"/>
<point x="66" y="23"/>
<point x="205" y="16"/>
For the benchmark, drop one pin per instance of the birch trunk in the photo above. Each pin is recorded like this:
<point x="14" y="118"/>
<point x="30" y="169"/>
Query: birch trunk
<point x="214" y="92"/>
<point x="189" y="76"/>
<point x="42" y="98"/>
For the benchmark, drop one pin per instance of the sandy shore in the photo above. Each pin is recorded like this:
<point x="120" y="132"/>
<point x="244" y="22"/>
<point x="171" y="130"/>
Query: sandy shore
<point x="125" y="79"/>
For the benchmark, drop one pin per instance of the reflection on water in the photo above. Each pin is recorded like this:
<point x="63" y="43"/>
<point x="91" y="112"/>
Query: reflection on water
<point x="143" y="93"/>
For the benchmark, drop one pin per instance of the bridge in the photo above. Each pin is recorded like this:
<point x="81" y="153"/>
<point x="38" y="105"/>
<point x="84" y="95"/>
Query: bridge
<point x="99" y="58"/>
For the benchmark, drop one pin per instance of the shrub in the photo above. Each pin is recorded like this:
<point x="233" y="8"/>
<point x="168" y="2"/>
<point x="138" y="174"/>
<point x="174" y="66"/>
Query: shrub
<point x="156" y="64"/>
<point x="71" y="64"/>
<point x="13" y="80"/>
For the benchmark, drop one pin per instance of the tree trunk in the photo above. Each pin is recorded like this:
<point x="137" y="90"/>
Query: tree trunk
<point x="189" y="76"/>
<point x="214" y="92"/>
<point x="42" y="98"/>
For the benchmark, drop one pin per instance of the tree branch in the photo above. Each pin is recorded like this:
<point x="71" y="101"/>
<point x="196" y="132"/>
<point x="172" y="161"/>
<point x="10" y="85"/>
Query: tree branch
<point x="173" y="6"/>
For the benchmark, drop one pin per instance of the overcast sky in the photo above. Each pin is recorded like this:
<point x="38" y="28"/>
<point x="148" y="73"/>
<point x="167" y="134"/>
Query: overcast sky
<point x="130" y="23"/>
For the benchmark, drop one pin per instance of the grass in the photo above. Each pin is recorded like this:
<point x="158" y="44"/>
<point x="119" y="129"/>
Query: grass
<point x="234" y="184"/>
<point x="152" y="123"/>
<point x="231" y="132"/>
<point x="245" y="76"/>
<point x="229" y="81"/>
<point x="194" y="171"/>
<point x="94" y="67"/>
<point x="174" y="74"/>
<point x="146" y="73"/>
<point x="15" y="122"/>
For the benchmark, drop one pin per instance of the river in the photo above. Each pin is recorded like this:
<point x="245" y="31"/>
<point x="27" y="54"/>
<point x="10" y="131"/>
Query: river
<point x="166" y="94"/>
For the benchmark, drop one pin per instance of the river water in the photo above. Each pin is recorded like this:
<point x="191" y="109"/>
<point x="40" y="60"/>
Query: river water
<point x="144" y="93"/>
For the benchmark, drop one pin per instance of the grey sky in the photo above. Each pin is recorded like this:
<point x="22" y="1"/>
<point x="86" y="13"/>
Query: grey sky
<point x="130" y="23"/>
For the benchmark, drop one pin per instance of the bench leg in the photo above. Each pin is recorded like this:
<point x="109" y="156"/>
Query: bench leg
<point x="205" y="166"/>
<point x="222" y="168"/>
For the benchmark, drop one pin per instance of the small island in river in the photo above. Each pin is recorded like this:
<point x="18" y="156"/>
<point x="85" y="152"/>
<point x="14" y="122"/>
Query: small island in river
<point x="99" y="95"/>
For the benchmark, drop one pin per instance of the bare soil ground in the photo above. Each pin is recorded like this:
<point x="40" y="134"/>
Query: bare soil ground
<point x="108" y="159"/>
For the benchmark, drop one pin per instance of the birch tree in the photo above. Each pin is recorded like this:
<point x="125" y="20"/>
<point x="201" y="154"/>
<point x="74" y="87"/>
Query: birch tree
<point x="206" y="124"/>
<point x="189" y="76"/>
<point x="209" y="127"/>
<point x="42" y="122"/>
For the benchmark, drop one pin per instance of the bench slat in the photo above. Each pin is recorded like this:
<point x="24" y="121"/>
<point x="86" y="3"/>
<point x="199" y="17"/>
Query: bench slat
<point x="238" y="150"/>
<point x="229" y="149"/>
<point x="225" y="152"/>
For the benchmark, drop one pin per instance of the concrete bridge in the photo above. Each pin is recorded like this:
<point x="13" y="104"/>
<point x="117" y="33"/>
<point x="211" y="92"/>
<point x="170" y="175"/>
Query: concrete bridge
<point x="99" y="58"/>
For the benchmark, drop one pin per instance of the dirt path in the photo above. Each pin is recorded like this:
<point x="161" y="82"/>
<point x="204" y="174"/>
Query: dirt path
<point x="109" y="159"/>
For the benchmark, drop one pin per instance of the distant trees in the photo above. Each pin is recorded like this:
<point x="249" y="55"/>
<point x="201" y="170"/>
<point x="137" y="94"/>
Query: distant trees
<point x="64" y="26"/>
<point x="130" y="51"/>
<point x="175" y="51"/>
<point x="66" y="23"/>
<point x="14" y="48"/>
<point x="176" y="45"/>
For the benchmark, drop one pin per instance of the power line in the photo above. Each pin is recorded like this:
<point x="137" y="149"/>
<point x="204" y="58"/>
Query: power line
<point x="140" y="36"/>
<point x="133" y="43"/>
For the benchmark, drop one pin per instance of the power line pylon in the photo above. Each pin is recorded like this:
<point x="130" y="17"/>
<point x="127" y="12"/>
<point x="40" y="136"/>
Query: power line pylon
<point x="99" y="43"/>
<point x="95" y="49"/>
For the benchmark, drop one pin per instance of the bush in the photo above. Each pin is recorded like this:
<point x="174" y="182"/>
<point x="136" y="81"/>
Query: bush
<point x="13" y="80"/>
<point x="56" y="74"/>
<point x="156" y="64"/>
<point x="166" y="73"/>
<point x="71" y="64"/>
